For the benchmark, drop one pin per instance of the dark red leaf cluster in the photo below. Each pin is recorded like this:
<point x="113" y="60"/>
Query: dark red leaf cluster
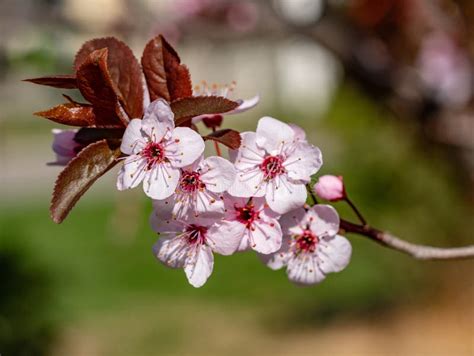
<point x="116" y="86"/>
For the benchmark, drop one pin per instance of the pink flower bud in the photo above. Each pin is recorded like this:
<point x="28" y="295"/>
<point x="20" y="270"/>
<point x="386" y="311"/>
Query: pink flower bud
<point x="64" y="146"/>
<point x="330" y="188"/>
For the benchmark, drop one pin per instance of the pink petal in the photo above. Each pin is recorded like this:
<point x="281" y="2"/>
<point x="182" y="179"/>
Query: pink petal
<point x="245" y="105"/>
<point x="132" y="172"/>
<point x="172" y="251"/>
<point x="303" y="162"/>
<point x="292" y="220"/>
<point x="219" y="174"/>
<point x="133" y="140"/>
<point x="158" y="120"/>
<point x="185" y="147"/>
<point x="303" y="270"/>
<point x="199" y="266"/>
<point x="160" y="182"/>
<point x="265" y="236"/>
<point x="280" y="258"/>
<point x="283" y="195"/>
<point x="225" y="237"/>
<point x="323" y="220"/>
<point x="272" y="134"/>
<point x="334" y="254"/>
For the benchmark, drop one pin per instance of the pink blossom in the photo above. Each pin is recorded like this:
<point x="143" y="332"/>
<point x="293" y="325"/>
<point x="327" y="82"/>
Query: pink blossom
<point x="157" y="150"/>
<point x="330" y="188"/>
<point x="225" y="91"/>
<point x="252" y="223"/>
<point x="190" y="244"/>
<point x="275" y="163"/>
<point x="311" y="248"/>
<point x="200" y="188"/>
<point x="64" y="145"/>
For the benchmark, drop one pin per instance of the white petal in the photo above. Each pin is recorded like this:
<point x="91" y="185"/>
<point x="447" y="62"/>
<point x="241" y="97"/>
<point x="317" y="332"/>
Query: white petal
<point x="334" y="254"/>
<point x="132" y="172"/>
<point x="160" y="182"/>
<point x="300" y="134"/>
<point x="184" y="147"/>
<point x="283" y="196"/>
<point x="303" y="162"/>
<point x="272" y="134"/>
<point x="224" y="237"/>
<point x="249" y="178"/>
<point x="280" y="258"/>
<point x="172" y="251"/>
<point x="162" y="218"/>
<point x="245" y="105"/>
<point x="219" y="174"/>
<point x="303" y="269"/>
<point x="245" y="242"/>
<point x="208" y="204"/>
<point x="265" y="236"/>
<point x="158" y="120"/>
<point x="323" y="220"/>
<point x="292" y="220"/>
<point x="199" y="266"/>
<point x="133" y="140"/>
<point x="249" y="184"/>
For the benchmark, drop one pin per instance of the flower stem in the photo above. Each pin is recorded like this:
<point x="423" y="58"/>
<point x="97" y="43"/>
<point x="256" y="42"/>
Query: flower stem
<point x="355" y="210"/>
<point x="216" y="145"/>
<point x="311" y="193"/>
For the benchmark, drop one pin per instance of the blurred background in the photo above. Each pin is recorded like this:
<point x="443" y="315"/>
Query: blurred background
<point x="383" y="87"/>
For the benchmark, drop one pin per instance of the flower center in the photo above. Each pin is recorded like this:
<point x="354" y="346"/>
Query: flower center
<point x="190" y="182"/>
<point x="196" y="234"/>
<point x="154" y="154"/>
<point x="307" y="241"/>
<point x="272" y="166"/>
<point x="247" y="214"/>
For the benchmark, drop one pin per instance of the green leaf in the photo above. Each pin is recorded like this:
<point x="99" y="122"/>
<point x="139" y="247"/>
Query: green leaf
<point x="81" y="172"/>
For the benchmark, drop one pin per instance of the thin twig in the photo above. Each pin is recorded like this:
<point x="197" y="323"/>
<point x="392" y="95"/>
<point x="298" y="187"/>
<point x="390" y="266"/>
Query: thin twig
<point x="216" y="145"/>
<point x="355" y="210"/>
<point x="311" y="193"/>
<point x="419" y="252"/>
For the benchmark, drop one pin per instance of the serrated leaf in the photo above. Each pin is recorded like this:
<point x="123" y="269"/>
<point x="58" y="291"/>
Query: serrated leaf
<point x="65" y="81"/>
<point x="81" y="172"/>
<point x="70" y="114"/>
<point x="187" y="108"/>
<point x="125" y="71"/>
<point x="227" y="137"/>
<point x="166" y="77"/>
<point x="95" y="84"/>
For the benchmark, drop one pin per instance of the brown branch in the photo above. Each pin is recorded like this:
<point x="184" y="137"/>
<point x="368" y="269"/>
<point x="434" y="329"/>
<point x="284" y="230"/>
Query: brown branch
<point x="419" y="252"/>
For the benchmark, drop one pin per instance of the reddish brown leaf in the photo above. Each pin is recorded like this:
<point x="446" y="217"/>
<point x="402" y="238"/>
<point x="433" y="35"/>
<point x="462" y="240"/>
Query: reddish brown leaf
<point x="228" y="137"/>
<point x="166" y="77"/>
<point x="81" y="172"/>
<point x="70" y="114"/>
<point x="186" y="108"/>
<point x="66" y="81"/>
<point x="95" y="84"/>
<point x="124" y="69"/>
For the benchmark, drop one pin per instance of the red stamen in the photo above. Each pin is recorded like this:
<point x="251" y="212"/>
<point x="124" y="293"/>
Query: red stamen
<point x="272" y="166"/>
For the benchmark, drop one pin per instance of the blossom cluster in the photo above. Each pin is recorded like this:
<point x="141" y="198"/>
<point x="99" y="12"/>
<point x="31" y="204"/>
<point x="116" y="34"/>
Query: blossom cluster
<point x="254" y="201"/>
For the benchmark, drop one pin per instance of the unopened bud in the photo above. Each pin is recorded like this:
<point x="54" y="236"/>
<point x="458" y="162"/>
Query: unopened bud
<point x="330" y="188"/>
